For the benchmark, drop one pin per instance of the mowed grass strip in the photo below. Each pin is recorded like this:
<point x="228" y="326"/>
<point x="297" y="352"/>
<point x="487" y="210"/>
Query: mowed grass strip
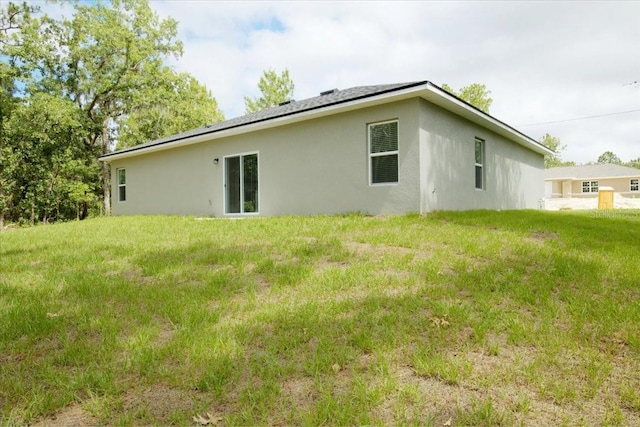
<point x="461" y="318"/>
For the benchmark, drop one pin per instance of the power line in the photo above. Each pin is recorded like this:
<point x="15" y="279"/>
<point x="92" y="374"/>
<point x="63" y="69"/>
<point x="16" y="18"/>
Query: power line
<point x="580" y="118"/>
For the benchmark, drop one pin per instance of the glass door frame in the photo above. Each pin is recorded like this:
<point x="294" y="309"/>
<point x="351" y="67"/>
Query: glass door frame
<point x="226" y="188"/>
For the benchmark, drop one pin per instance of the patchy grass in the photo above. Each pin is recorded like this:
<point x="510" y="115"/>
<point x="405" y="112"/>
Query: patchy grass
<point x="468" y="318"/>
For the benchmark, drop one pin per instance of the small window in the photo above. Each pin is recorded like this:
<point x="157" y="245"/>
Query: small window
<point x="633" y="185"/>
<point x="589" y="186"/>
<point x="122" y="185"/>
<point x="479" y="165"/>
<point x="383" y="152"/>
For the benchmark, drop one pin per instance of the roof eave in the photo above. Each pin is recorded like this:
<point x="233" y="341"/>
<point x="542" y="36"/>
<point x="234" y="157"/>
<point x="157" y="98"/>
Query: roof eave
<point x="591" y="177"/>
<point x="270" y="123"/>
<point x="444" y="99"/>
<point x="562" y="178"/>
<point x="427" y="91"/>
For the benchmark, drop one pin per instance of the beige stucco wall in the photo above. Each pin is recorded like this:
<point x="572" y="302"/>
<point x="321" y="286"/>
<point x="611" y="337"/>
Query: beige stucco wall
<point x="556" y="189"/>
<point x="619" y="185"/>
<point x="514" y="175"/>
<point x="316" y="166"/>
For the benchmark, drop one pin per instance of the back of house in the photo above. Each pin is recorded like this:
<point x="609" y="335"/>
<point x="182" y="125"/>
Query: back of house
<point x="384" y="149"/>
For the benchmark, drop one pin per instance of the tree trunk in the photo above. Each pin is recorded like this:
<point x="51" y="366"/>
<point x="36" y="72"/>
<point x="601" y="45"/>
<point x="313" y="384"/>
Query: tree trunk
<point x="106" y="176"/>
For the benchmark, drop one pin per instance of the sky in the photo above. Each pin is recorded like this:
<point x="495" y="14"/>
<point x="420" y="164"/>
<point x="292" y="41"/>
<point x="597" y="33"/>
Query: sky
<point x="567" y="68"/>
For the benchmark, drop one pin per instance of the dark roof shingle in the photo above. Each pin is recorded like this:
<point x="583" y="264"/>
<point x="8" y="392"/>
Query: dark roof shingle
<point x="295" y="107"/>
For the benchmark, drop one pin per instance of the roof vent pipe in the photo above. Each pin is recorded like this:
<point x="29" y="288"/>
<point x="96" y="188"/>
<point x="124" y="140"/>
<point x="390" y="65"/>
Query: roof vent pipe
<point x="328" y="92"/>
<point x="288" y="101"/>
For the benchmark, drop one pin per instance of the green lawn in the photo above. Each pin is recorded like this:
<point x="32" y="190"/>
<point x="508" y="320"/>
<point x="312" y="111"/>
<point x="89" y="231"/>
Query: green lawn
<point x="469" y="318"/>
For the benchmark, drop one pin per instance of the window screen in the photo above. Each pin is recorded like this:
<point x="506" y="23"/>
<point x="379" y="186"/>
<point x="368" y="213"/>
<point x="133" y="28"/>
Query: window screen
<point x="122" y="185"/>
<point x="479" y="165"/>
<point x="383" y="152"/>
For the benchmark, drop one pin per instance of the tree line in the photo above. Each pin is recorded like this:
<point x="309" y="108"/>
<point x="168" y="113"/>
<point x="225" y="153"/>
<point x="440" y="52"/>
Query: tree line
<point x="555" y="160"/>
<point x="74" y="88"/>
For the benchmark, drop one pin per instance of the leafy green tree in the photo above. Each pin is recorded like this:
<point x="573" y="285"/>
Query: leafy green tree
<point x="634" y="163"/>
<point x="169" y="103"/>
<point x="95" y="59"/>
<point x="12" y="18"/>
<point x="107" y="61"/>
<point x="101" y="59"/>
<point x="274" y="88"/>
<point x="554" y="160"/>
<point x="609" y="157"/>
<point x="48" y="175"/>
<point x="7" y="105"/>
<point x="475" y="94"/>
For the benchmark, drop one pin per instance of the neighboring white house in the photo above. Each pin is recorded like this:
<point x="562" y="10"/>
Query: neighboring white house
<point x="584" y="181"/>
<point x="397" y="148"/>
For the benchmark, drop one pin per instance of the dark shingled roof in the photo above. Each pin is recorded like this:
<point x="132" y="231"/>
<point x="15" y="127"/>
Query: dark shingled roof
<point x="295" y="107"/>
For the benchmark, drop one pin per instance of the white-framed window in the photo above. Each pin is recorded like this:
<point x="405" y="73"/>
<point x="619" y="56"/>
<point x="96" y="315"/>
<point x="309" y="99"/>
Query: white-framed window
<point x="122" y="184"/>
<point x="479" y="163"/>
<point x="589" y="186"/>
<point x="241" y="184"/>
<point x="383" y="152"/>
<point x="633" y="185"/>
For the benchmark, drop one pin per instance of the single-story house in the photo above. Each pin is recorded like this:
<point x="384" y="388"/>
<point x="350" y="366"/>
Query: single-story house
<point x="395" y="148"/>
<point x="585" y="180"/>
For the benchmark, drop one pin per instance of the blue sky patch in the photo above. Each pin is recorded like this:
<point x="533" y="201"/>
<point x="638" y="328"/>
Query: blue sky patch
<point x="274" y="25"/>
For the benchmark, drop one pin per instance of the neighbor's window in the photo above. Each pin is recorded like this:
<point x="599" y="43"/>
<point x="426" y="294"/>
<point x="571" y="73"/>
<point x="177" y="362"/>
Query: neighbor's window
<point x="383" y="152"/>
<point x="589" y="186"/>
<point x="479" y="165"/>
<point x="122" y="185"/>
<point x="633" y="185"/>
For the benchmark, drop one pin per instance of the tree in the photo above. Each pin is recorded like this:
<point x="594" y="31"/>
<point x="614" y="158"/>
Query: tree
<point x="12" y="18"/>
<point x="555" y="159"/>
<point x="609" y="157"/>
<point x="167" y="105"/>
<point x="103" y="69"/>
<point x="274" y="88"/>
<point x="634" y="163"/>
<point x="100" y="59"/>
<point x="475" y="94"/>
<point x="96" y="59"/>
<point x="48" y="174"/>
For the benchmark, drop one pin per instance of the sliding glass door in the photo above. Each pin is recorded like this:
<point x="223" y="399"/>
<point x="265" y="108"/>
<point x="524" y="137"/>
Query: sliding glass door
<point x="241" y="184"/>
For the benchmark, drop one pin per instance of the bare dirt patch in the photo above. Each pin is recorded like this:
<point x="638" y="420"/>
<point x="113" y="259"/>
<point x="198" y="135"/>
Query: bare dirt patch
<point x="299" y="392"/>
<point x="133" y="276"/>
<point x="379" y="251"/>
<point x="166" y="334"/>
<point x="72" y="415"/>
<point x="158" y="401"/>
<point x="516" y="399"/>
<point x="541" y="236"/>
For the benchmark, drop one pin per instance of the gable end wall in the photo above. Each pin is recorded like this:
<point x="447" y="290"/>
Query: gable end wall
<point x="514" y="175"/>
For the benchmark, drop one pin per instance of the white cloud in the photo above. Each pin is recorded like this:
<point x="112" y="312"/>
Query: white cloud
<point x="542" y="61"/>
